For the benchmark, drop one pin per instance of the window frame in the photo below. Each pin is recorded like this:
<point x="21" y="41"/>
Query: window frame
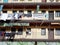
<point x="57" y="14"/>
<point x="14" y="11"/>
<point x="43" y="31"/>
<point x="28" y="31"/>
<point x="57" y="32"/>
<point x="20" y="31"/>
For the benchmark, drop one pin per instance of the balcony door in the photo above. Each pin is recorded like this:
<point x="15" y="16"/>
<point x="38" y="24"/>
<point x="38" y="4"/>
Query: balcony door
<point x="50" y="34"/>
<point x="51" y="15"/>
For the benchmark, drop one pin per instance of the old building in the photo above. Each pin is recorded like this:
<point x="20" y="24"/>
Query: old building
<point x="35" y="22"/>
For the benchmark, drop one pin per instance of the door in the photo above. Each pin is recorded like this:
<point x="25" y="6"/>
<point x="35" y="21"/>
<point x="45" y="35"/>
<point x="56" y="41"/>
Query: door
<point x="51" y="15"/>
<point x="50" y="34"/>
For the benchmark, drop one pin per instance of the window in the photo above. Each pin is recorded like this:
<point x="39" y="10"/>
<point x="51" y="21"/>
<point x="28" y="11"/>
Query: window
<point x="4" y="11"/>
<point x="29" y="14"/>
<point x="13" y="30"/>
<point x="29" y="0"/>
<point x="21" y="0"/>
<point x="43" y="31"/>
<point x="20" y="31"/>
<point x="57" y="13"/>
<point x="43" y="11"/>
<point x="2" y="31"/>
<point x="20" y="11"/>
<point x="14" y="11"/>
<point x="29" y="11"/>
<point x="57" y="32"/>
<point x="28" y="31"/>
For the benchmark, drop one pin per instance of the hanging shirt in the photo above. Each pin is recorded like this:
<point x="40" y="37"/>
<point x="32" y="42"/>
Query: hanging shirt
<point x="16" y="15"/>
<point x="4" y="16"/>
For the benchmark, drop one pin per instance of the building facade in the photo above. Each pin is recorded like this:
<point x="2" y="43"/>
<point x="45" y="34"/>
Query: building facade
<point x="35" y="21"/>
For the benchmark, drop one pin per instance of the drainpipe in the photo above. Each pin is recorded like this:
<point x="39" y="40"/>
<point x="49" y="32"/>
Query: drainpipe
<point x="37" y="8"/>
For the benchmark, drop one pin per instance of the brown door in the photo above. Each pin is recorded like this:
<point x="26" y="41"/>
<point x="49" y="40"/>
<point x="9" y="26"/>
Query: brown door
<point x="51" y="15"/>
<point x="51" y="34"/>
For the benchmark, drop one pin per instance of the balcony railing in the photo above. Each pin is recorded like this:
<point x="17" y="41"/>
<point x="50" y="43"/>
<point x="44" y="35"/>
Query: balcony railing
<point x="21" y="16"/>
<point x="14" y="24"/>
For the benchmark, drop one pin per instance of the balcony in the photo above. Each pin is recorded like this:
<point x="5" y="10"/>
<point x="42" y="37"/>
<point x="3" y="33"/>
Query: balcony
<point x="29" y="16"/>
<point x="17" y="35"/>
<point x="13" y="24"/>
<point x="21" y="16"/>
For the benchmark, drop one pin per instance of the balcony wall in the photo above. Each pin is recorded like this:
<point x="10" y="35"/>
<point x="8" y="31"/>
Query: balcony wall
<point x="35" y="34"/>
<point x="34" y="16"/>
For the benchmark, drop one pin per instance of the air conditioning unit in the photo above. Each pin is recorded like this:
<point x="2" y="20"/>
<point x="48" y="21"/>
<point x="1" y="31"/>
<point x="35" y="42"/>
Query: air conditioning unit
<point x="51" y="0"/>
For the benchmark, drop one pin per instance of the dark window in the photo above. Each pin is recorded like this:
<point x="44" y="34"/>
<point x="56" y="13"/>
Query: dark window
<point x="43" y="31"/>
<point x="13" y="30"/>
<point x="14" y="11"/>
<point x="43" y="11"/>
<point x="29" y="11"/>
<point x="2" y="31"/>
<point x="21" y="11"/>
<point x="4" y="11"/>
<point x="57" y="32"/>
<point x="28" y="31"/>
<point x="20" y="31"/>
<point x="57" y="13"/>
<point x="29" y="14"/>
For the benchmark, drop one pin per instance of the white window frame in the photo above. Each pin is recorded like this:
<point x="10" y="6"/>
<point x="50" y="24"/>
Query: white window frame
<point x="57" y="14"/>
